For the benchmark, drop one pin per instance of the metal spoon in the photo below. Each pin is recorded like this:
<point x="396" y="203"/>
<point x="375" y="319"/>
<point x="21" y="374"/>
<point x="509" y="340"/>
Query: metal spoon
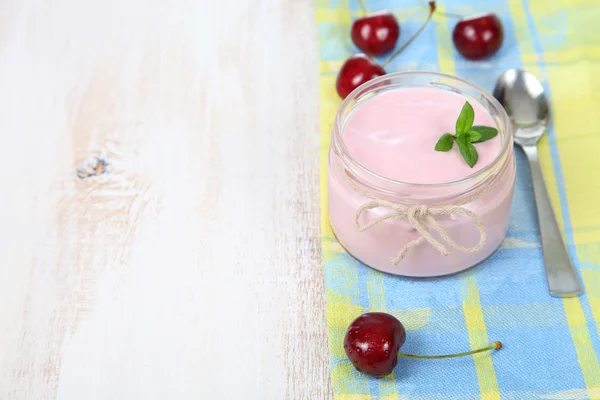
<point x="523" y="98"/>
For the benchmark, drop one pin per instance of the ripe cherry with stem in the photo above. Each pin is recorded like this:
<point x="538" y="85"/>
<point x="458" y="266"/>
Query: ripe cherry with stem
<point x="373" y="342"/>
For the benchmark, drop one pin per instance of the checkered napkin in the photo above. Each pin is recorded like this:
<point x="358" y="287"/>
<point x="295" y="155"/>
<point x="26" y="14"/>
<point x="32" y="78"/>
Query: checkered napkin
<point x="552" y="346"/>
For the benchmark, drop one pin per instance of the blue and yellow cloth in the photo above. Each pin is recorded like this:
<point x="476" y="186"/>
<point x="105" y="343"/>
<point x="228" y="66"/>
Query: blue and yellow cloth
<point x="551" y="346"/>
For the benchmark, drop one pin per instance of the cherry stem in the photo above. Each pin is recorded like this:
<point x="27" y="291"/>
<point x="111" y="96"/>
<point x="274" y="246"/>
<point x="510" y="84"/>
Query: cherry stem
<point x="362" y="7"/>
<point x="493" y="346"/>
<point x="413" y="37"/>
<point x="453" y="15"/>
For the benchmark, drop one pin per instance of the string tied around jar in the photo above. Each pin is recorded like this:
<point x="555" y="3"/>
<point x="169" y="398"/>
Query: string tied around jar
<point x="421" y="218"/>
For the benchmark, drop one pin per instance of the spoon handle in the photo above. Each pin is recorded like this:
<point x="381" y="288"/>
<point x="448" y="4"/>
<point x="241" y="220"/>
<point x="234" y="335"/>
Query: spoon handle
<point x="562" y="277"/>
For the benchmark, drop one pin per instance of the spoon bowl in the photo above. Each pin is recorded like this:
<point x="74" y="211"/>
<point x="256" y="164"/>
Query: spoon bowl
<point x="522" y="96"/>
<point x="524" y="100"/>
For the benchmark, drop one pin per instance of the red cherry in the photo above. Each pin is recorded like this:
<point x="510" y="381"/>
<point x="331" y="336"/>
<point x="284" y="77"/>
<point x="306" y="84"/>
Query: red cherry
<point x="376" y="33"/>
<point x="372" y="343"/>
<point x="357" y="70"/>
<point x="479" y="36"/>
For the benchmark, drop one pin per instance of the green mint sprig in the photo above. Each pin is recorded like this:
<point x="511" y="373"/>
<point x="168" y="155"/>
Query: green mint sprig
<point x="466" y="134"/>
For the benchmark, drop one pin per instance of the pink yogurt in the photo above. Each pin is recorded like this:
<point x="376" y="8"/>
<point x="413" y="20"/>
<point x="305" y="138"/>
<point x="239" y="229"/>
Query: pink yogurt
<point x="384" y="144"/>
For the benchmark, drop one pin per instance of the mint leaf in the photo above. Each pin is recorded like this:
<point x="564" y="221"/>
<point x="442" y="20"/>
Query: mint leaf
<point x="466" y="134"/>
<point x="473" y="136"/>
<point x="467" y="150"/>
<point x="486" y="132"/>
<point x="445" y="142"/>
<point x="465" y="119"/>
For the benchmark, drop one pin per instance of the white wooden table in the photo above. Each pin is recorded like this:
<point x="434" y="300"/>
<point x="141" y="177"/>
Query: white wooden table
<point x="184" y="260"/>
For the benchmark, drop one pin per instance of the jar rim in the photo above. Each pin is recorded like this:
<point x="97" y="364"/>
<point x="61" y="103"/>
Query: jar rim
<point x="337" y="132"/>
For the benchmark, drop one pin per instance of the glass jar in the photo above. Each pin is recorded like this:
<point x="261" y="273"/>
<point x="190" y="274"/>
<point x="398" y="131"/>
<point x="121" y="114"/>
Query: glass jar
<point x="420" y="229"/>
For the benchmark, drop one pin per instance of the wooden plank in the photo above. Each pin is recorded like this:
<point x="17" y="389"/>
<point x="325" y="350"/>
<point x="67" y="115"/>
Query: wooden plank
<point x="187" y="263"/>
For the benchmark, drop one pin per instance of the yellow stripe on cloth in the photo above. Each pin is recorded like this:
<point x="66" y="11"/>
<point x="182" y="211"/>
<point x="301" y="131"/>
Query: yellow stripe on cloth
<point x="329" y="103"/>
<point x="352" y="397"/>
<point x="484" y="365"/>
<point x="329" y="106"/>
<point x="583" y="344"/>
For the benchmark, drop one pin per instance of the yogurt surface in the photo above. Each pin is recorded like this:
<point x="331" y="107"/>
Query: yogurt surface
<point x="394" y="134"/>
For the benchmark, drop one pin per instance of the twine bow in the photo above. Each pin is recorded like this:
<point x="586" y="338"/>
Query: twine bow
<point x="421" y="217"/>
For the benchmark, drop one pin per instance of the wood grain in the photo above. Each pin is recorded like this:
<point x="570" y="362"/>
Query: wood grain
<point x="186" y="264"/>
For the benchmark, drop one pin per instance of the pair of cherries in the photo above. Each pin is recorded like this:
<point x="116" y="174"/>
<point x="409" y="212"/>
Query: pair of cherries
<point x="375" y="34"/>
